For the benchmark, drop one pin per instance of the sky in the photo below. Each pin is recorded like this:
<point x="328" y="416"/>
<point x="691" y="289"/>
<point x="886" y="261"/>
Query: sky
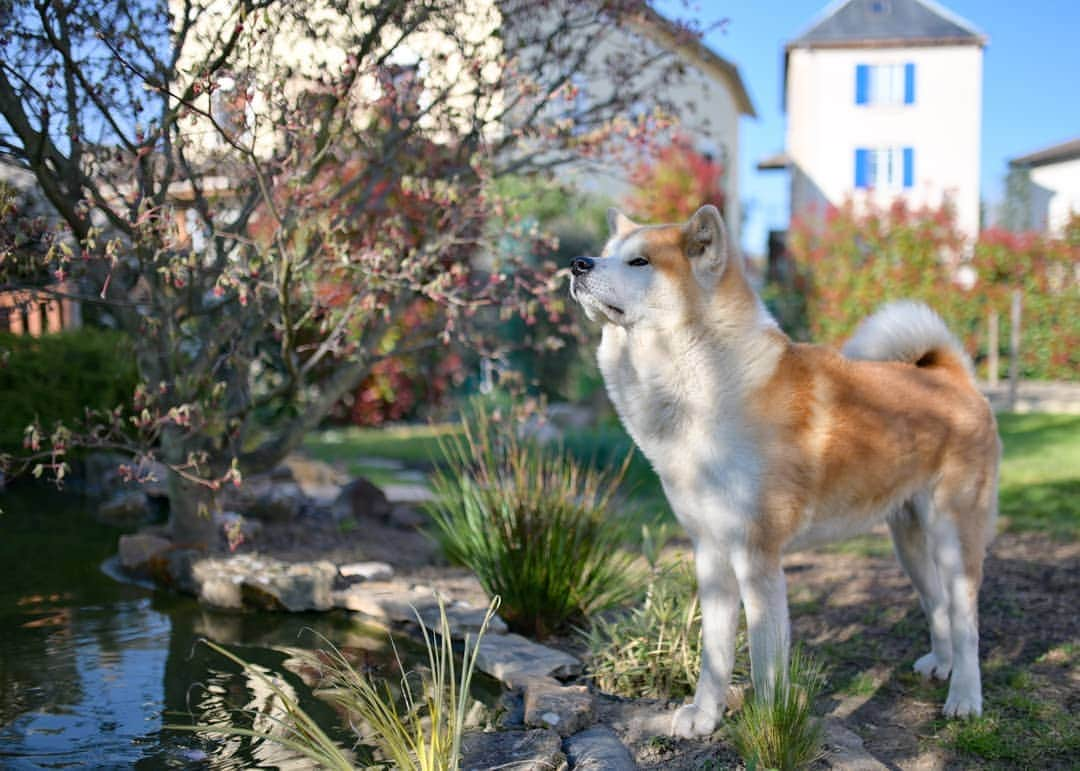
<point x="1031" y="85"/>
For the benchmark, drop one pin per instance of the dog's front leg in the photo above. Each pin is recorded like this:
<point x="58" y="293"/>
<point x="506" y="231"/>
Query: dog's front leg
<point x="718" y="592"/>
<point x="764" y="595"/>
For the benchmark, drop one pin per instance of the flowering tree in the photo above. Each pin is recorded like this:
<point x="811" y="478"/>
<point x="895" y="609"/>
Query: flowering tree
<point x="258" y="190"/>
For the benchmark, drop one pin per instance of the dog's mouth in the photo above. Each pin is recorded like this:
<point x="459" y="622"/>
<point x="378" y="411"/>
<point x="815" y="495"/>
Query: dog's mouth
<point x="580" y="292"/>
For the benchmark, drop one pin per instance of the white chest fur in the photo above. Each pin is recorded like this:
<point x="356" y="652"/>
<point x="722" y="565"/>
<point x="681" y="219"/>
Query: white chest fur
<point x="678" y="400"/>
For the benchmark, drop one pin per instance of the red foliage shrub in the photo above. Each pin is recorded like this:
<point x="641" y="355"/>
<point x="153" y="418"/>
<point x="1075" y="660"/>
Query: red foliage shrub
<point x="675" y="183"/>
<point x="854" y="260"/>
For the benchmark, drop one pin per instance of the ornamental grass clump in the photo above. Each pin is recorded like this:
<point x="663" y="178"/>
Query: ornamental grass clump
<point x="419" y="731"/>
<point x="534" y="525"/>
<point x="776" y="730"/>
<point x="654" y="649"/>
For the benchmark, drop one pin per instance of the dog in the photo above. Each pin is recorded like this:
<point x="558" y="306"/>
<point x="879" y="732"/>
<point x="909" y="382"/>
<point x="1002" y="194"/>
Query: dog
<point x="765" y="446"/>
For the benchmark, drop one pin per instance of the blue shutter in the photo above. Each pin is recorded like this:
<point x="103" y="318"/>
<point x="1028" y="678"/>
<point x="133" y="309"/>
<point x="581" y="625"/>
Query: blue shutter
<point x="909" y="167"/>
<point x="862" y="84"/>
<point x="909" y="83"/>
<point x="862" y="167"/>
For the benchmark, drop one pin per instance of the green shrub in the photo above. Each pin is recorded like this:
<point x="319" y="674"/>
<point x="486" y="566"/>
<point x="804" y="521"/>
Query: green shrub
<point x="776" y="730"/>
<point x="533" y="524"/>
<point x="57" y="377"/>
<point x="654" y="649"/>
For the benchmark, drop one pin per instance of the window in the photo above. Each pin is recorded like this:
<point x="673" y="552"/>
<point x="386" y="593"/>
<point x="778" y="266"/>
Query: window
<point x="885" y="84"/>
<point x="888" y="168"/>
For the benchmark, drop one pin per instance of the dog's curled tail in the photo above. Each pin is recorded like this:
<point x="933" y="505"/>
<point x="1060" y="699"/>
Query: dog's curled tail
<point x="910" y="332"/>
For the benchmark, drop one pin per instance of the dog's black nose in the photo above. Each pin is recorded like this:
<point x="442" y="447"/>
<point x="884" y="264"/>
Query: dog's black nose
<point x="579" y="266"/>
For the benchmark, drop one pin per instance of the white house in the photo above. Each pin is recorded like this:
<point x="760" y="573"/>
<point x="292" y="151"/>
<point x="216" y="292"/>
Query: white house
<point x="708" y="102"/>
<point x="1053" y="185"/>
<point x="884" y="101"/>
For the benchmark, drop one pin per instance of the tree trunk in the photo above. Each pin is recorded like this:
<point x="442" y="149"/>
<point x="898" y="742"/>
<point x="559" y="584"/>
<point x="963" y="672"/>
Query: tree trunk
<point x="191" y="505"/>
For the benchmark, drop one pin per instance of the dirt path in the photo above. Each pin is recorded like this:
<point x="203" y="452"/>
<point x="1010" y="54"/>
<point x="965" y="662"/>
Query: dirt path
<point x="859" y="613"/>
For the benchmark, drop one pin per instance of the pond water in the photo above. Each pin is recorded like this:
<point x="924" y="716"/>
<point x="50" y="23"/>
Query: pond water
<point x="91" y="669"/>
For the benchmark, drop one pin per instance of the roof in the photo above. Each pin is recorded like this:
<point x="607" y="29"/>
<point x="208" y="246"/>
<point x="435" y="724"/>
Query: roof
<point x="672" y="36"/>
<point x="775" y="162"/>
<point x="879" y="23"/>
<point x="1064" y="151"/>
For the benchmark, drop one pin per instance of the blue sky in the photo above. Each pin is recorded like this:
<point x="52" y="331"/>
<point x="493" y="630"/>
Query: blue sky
<point x="1031" y="85"/>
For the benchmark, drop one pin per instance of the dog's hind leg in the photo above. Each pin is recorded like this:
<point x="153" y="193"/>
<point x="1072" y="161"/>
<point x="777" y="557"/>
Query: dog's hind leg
<point x="913" y="550"/>
<point x="958" y="537"/>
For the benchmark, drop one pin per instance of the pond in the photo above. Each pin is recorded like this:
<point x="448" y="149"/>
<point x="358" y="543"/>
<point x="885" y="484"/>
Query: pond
<point x="91" y="668"/>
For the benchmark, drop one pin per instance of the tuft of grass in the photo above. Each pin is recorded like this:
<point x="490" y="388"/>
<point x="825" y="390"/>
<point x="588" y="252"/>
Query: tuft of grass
<point x="654" y="649"/>
<point x="534" y="526"/>
<point x="776" y="730"/>
<point x="420" y="732"/>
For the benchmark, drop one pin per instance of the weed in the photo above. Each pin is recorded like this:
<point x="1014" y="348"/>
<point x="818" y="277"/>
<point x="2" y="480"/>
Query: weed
<point x="534" y="526"/>
<point x="776" y="730"/>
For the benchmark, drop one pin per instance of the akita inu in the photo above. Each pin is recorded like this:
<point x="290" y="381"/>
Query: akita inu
<point x="764" y="445"/>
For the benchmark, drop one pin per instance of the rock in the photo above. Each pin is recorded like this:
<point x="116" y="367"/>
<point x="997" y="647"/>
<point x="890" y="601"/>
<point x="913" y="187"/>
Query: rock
<point x="598" y="749"/>
<point x="386" y="464"/>
<point x="247" y="529"/>
<point x="408" y="493"/>
<point x="407" y="517"/>
<point x="247" y="580"/>
<point x="138" y="549"/>
<point x="366" y="571"/>
<point x="511" y="710"/>
<point x="361" y="499"/>
<point x="396" y="601"/>
<point x="845" y="750"/>
<point x="155" y="479"/>
<point x="319" y="481"/>
<point x="514" y="660"/>
<point x="125" y="509"/>
<point x="564" y="708"/>
<point x="538" y="750"/>
<point x="282" y="502"/>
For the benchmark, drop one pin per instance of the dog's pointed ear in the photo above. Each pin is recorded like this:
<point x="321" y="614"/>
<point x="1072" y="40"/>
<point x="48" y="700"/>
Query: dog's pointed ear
<point x="618" y="223"/>
<point x="705" y="236"/>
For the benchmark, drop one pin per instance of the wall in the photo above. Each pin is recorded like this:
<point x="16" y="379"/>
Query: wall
<point x="1061" y="181"/>
<point x="943" y="126"/>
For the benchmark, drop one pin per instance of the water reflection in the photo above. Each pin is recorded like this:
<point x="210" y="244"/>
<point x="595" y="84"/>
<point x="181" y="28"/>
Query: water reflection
<point x="90" y="669"/>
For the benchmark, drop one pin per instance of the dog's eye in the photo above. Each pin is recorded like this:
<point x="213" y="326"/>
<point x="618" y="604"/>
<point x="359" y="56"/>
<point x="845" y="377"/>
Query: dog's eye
<point x="637" y="262"/>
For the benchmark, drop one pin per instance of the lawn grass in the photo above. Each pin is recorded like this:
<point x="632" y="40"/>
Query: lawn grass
<point x="1040" y="470"/>
<point x="1040" y="473"/>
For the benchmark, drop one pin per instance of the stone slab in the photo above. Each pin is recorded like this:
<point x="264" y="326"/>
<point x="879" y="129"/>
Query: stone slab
<point x="845" y="750"/>
<point x="515" y="660"/>
<point x="538" y="750"/>
<point x="598" y="749"/>
<point x="566" y="709"/>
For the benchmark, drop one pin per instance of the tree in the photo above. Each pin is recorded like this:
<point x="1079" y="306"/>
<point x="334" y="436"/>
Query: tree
<point x="257" y="189"/>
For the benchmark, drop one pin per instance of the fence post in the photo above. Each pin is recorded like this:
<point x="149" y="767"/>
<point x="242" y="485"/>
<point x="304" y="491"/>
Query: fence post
<point x="992" y="349"/>
<point x="1014" y="350"/>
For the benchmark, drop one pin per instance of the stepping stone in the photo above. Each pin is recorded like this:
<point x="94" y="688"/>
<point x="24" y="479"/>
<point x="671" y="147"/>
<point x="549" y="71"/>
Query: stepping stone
<point x="515" y="660"/>
<point x="366" y="571"/>
<point x="408" y="493"/>
<point x="539" y="750"/>
<point x="564" y="708"/>
<point x="394" y="601"/>
<point x="845" y="750"/>
<point x="598" y="749"/>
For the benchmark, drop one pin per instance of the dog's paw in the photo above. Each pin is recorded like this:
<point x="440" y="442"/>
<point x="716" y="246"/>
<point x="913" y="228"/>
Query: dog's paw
<point x="692" y="721"/>
<point x="929" y="666"/>
<point x="963" y="705"/>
